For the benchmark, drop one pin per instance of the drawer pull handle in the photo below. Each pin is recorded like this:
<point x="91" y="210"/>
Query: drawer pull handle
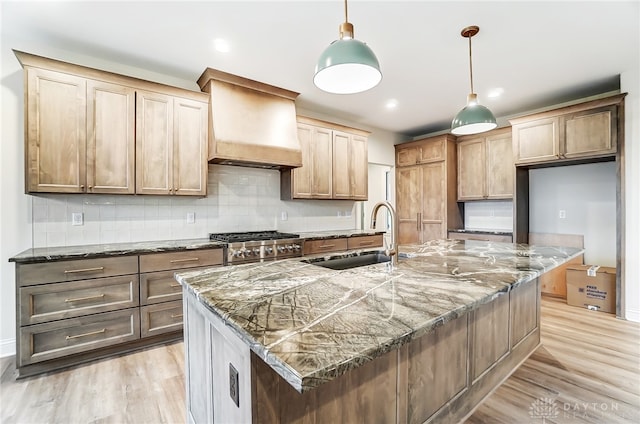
<point x="176" y="316"/>
<point x="78" y="299"/>
<point x="327" y="246"/>
<point x="175" y="261"/>
<point x="174" y="285"/>
<point x="366" y="243"/>
<point x="72" y="271"/>
<point x="92" y="333"/>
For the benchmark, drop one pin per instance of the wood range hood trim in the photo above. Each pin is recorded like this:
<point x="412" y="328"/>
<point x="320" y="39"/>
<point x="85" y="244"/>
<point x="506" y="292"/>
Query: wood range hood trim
<point x="251" y="123"/>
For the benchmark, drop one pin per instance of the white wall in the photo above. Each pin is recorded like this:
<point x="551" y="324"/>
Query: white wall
<point x="587" y="194"/>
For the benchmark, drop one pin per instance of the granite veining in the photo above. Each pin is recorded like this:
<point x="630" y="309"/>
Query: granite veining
<point x="312" y="324"/>
<point x="43" y="254"/>
<point x="471" y="231"/>
<point x="321" y="235"/>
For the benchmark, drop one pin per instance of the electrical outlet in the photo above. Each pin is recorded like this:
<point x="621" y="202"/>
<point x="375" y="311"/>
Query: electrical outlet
<point x="234" y="385"/>
<point x="562" y="214"/>
<point x="339" y="214"/>
<point x="347" y="214"/>
<point x="284" y="216"/>
<point x="191" y="217"/>
<point x="77" y="218"/>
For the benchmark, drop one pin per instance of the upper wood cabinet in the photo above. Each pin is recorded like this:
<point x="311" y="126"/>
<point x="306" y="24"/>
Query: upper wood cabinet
<point x="485" y="166"/>
<point x="334" y="163"/>
<point x="426" y="193"/>
<point x="583" y="131"/>
<point x="171" y="142"/>
<point x="81" y="137"/>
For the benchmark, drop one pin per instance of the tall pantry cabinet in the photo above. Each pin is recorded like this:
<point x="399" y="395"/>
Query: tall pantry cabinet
<point x="426" y="189"/>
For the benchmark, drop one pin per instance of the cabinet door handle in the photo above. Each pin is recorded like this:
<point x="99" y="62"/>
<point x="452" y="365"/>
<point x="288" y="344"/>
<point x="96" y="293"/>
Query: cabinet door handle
<point x="175" y="261"/>
<point x="92" y="333"/>
<point x="365" y="243"/>
<point x="73" y="271"/>
<point x="174" y="285"/>
<point x="79" y="299"/>
<point x="326" y="246"/>
<point x="418" y="221"/>
<point x="176" y="315"/>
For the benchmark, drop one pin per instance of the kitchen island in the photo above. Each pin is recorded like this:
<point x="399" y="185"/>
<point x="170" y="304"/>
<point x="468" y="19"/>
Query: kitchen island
<point x="424" y="341"/>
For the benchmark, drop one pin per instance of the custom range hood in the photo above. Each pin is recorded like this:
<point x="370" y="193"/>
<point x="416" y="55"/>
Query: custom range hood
<point x="250" y="123"/>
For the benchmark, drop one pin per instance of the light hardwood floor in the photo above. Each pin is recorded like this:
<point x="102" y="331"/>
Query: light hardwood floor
<point x="586" y="371"/>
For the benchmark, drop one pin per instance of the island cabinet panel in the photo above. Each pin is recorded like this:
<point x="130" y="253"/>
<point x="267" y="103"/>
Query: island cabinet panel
<point x="436" y="360"/>
<point x="212" y="351"/>
<point x="366" y="394"/>
<point x="489" y="335"/>
<point x="525" y="311"/>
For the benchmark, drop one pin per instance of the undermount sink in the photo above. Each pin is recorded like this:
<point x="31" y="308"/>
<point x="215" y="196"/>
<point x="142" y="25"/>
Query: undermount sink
<point x="349" y="262"/>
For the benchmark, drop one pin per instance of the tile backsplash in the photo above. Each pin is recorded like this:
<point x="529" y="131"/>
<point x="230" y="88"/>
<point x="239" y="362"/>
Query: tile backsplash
<point x="239" y="199"/>
<point x="489" y="215"/>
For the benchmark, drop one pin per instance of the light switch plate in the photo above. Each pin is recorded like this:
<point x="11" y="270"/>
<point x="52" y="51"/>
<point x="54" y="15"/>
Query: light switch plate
<point x="191" y="217"/>
<point x="77" y="218"/>
<point x="234" y="381"/>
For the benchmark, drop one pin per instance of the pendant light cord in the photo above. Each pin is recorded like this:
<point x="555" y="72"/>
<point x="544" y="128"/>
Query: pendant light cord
<point x="346" y="16"/>
<point x="470" y="64"/>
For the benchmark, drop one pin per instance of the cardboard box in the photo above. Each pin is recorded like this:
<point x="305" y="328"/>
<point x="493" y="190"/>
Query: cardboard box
<point x="592" y="287"/>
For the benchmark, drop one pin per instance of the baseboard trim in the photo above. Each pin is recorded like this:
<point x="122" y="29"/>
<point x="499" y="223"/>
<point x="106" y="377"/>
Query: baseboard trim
<point x="632" y="315"/>
<point x="7" y="347"/>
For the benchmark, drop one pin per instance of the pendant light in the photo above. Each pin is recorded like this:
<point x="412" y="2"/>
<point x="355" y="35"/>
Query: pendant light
<point x="347" y="66"/>
<point x="473" y="118"/>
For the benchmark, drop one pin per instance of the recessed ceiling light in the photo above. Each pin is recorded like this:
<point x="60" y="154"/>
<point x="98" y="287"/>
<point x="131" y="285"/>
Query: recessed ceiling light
<point x="391" y="104"/>
<point x="221" y="45"/>
<point x="495" y="92"/>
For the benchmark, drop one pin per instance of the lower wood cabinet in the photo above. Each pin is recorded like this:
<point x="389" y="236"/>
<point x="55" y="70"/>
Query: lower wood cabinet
<point x="76" y="335"/>
<point x="312" y="247"/>
<point x="77" y="310"/>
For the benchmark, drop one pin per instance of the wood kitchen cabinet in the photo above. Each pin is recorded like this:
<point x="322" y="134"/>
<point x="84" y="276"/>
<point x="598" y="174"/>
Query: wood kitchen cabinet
<point x="72" y="311"/>
<point x="81" y="136"/>
<point x="426" y="192"/>
<point x="584" y="131"/>
<point x="485" y="166"/>
<point x="171" y="142"/>
<point x="334" y="163"/>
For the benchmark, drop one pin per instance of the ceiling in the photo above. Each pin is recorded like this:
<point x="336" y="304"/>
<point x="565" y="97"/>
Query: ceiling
<point x="539" y="53"/>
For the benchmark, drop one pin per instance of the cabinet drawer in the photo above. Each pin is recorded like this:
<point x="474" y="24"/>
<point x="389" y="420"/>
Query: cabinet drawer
<point x="41" y="342"/>
<point x="81" y="269"/>
<point x="326" y="245"/>
<point x="179" y="260"/>
<point x="364" y="242"/>
<point x="161" y="318"/>
<point x="57" y="301"/>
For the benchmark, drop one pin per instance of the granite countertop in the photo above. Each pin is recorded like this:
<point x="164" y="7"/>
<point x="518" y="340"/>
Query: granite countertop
<point x="472" y="231"/>
<point x="320" y="235"/>
<point x="43" y="254"/>
<point x="312" y="324"/>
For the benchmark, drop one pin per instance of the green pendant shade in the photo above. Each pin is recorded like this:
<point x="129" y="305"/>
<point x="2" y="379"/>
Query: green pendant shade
<point x="473" y="119"/>
<point x="347" y="66"/>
